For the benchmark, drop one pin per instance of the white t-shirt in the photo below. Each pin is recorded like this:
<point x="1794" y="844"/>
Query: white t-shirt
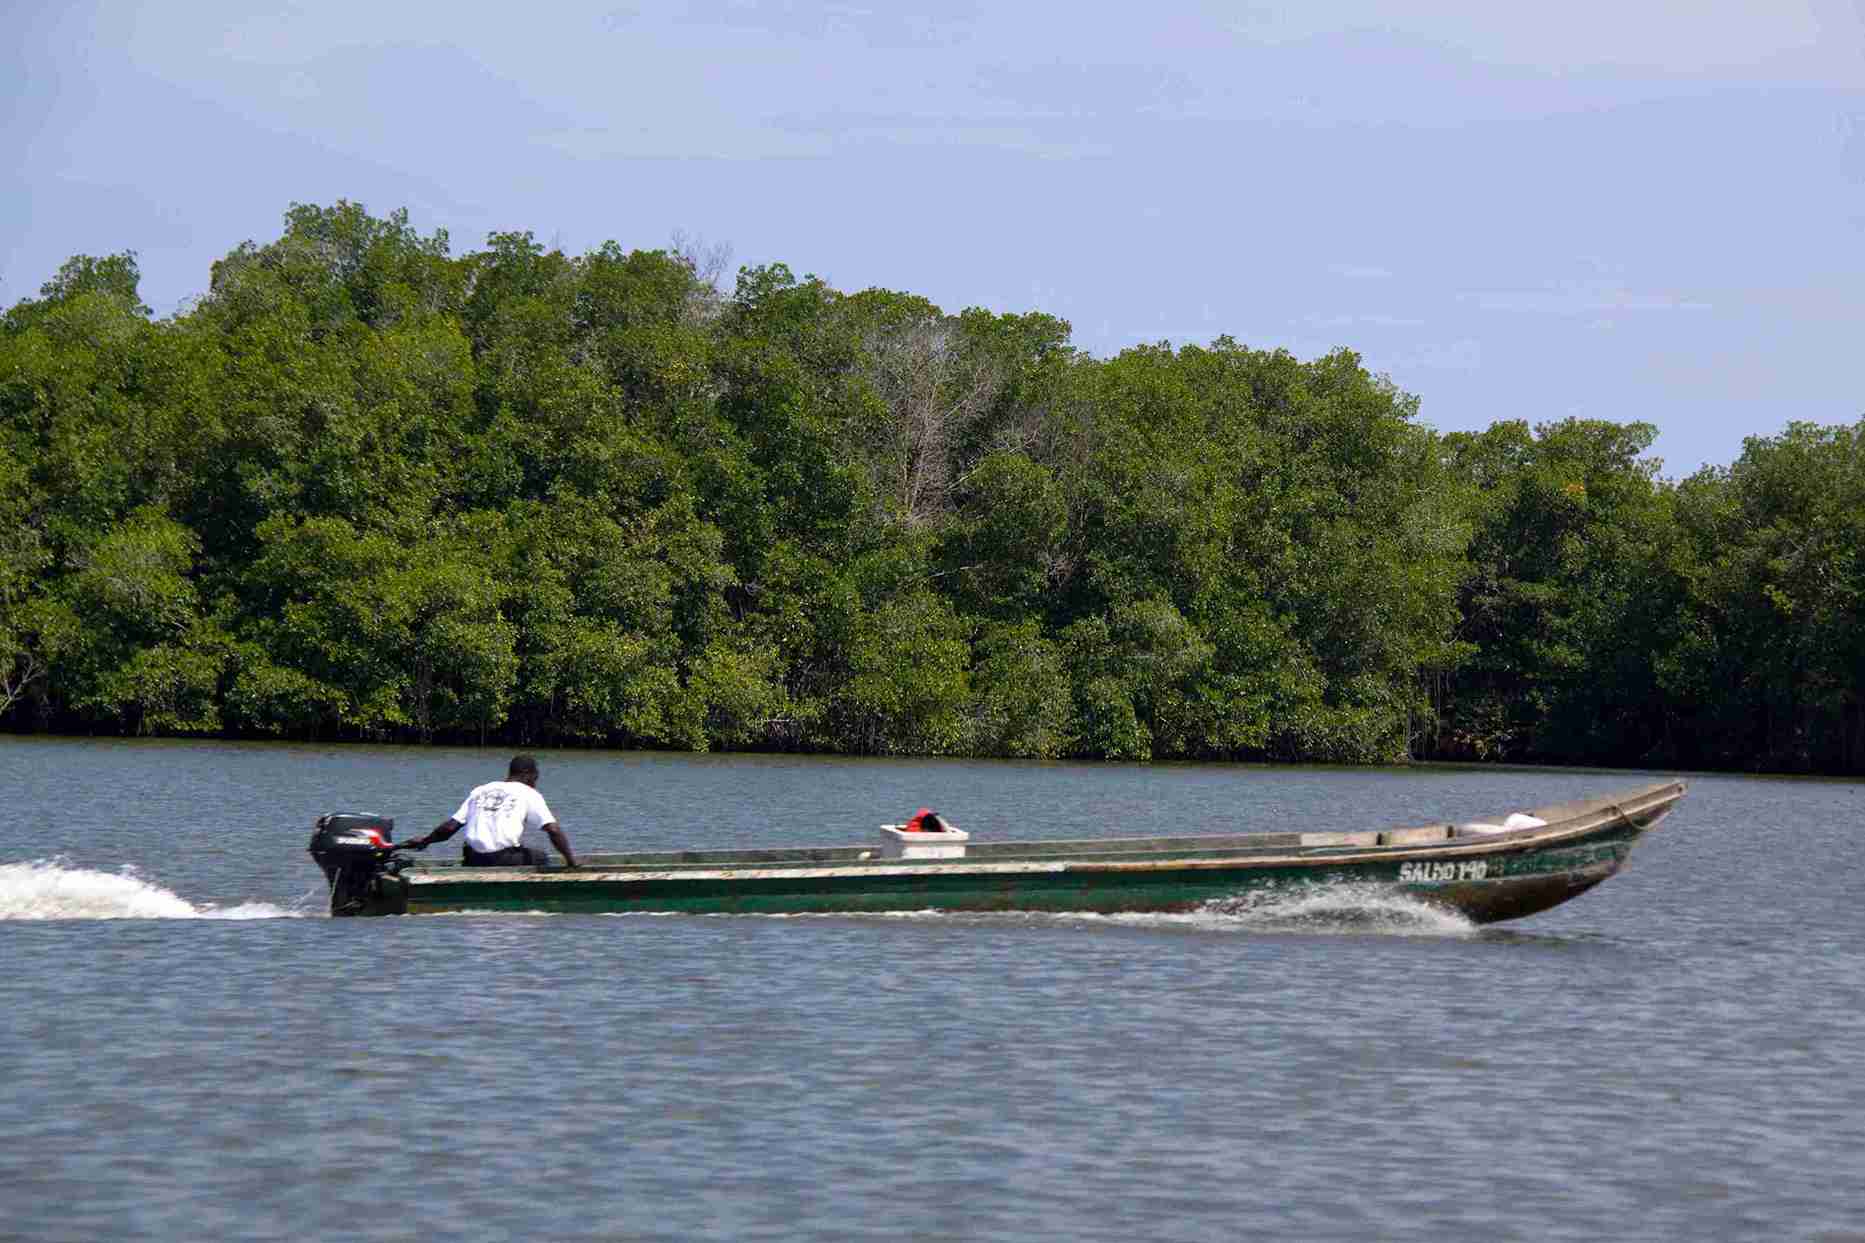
<point x="497" y="814"/>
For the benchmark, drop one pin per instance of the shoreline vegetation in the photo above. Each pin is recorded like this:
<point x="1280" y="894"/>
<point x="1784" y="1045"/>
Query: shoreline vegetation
<point x="363" y="489"/>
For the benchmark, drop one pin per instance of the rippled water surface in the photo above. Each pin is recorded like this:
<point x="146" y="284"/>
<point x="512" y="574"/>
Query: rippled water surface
<point x="194" y="1052"/>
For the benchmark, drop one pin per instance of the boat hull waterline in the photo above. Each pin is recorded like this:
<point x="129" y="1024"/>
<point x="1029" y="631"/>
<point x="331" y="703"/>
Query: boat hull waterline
<point x="1484" y="876"/>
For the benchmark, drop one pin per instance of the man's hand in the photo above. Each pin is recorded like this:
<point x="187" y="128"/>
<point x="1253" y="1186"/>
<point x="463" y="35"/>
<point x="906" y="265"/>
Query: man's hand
<point x="413" y="843"/>
<point x="561" y="841"/>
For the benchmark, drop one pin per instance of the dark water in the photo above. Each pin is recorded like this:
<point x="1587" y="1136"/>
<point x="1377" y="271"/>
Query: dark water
<point x="193" y="1053"/>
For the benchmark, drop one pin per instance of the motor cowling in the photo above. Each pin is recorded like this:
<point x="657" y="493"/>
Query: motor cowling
<point x="353" y="848"/>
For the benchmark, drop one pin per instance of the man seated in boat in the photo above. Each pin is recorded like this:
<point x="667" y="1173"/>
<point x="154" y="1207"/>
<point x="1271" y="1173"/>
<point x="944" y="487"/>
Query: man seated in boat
<point x="495" y="817"/>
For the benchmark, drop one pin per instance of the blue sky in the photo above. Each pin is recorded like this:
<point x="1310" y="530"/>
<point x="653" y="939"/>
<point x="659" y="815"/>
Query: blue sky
<point x="1620" y="209"/>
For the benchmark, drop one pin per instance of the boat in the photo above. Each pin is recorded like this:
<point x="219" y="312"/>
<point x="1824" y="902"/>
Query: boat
<point x="1492" y="870"/>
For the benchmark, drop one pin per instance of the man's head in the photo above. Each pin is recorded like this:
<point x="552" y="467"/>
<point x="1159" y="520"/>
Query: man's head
<point x="522" y="768"/>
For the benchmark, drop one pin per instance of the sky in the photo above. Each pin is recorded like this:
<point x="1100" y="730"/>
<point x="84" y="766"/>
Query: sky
<point x="1619" y="209"/>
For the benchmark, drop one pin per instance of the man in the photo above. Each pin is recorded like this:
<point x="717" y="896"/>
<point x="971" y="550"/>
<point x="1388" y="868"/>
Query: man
<point x="495" y="817"/>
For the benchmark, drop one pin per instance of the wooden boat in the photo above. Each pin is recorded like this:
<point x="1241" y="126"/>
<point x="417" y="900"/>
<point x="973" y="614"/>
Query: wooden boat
<point x="1486" y="872"/>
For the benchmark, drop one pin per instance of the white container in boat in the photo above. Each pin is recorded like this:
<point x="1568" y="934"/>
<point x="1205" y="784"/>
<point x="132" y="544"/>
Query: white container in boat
<point x="898" y="843"/>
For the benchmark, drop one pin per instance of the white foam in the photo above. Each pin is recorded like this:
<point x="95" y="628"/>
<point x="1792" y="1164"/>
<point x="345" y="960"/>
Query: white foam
<point x="1359" y="909"/>
<point x="1354" y="908"/>
<point x="246" y="910"/>
<point x="46" y="889"/>
<point x="1348" y="909"/>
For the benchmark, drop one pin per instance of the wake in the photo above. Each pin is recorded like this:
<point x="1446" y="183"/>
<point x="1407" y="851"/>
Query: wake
<point x="1346" y="908"/>
<point x="46" y="889"/>
<point x="1340" y="909"/>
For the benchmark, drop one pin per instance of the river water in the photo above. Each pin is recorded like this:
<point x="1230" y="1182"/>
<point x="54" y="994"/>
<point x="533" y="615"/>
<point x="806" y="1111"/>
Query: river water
<point x="194" y="1052"/>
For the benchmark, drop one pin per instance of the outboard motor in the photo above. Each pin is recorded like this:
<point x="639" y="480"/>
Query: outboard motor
<point x="353" y="849"/>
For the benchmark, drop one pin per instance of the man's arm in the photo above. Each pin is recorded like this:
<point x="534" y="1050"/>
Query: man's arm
<point x="555" y="832"/>
<point x="442" y="831"/>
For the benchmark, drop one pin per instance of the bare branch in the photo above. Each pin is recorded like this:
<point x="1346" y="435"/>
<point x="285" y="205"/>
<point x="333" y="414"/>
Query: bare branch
<point x="708" y="262"/>
<point x="22" y="672"/>
<point x="934" y="392"/>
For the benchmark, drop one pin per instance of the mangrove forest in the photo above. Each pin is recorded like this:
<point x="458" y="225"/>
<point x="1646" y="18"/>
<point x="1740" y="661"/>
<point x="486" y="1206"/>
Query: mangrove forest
<point x="363" y="488"/>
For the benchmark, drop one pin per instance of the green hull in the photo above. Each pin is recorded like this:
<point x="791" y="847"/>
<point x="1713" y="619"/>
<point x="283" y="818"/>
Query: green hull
<point x="1484" y="876"/>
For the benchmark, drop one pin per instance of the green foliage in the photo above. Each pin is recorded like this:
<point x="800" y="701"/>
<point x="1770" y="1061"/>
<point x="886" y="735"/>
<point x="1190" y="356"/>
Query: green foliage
<point x="411" y="636"/>
<point x="121" y="631"/>
<point x="1021" y="699"/>
<point x="1767" y="666"/>
<point x="1004" y="543"/>
<point x="1568" y="598"/>
<point x="906" y="685"/>
<point x="365" y="488"/>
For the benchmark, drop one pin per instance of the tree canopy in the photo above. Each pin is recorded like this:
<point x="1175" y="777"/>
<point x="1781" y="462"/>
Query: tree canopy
<point x="364" y="488"/>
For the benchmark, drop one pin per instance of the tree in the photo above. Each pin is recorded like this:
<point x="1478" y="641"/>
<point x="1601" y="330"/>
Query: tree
<point x="367" y="488"/>
<point x="1768" y="669"/>
<point x="1021" y="702"/>
<point x="932" y="390"/>
<point x="123" y="633"/>
<point x="1567" y="596"/>
<point x="388" y="635"/>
